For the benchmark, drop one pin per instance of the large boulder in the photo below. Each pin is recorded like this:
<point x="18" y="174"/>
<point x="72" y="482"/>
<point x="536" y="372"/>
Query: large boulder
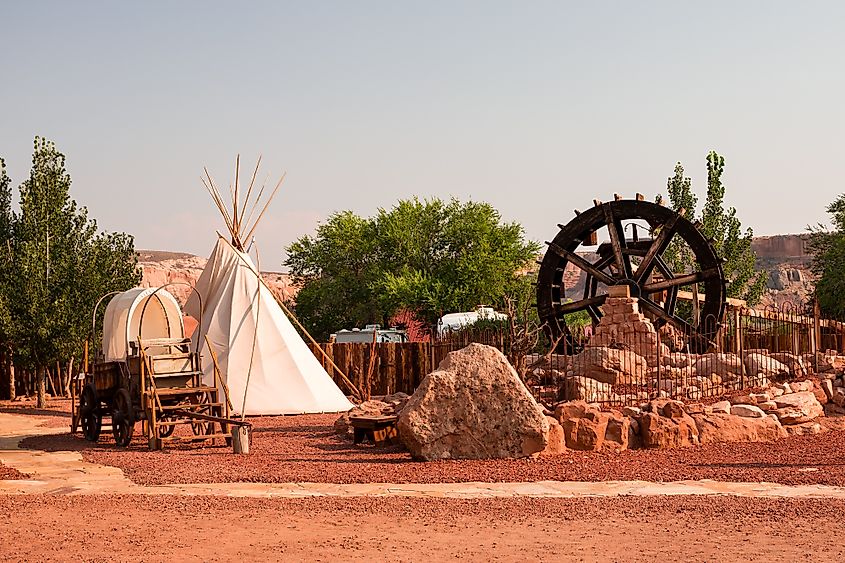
<point x="726" y="366"/>
<point x="609" y="365"/>
<point x="474" y="406"/>
<point x="720" y="427"/>
<point x="584" y="426"/>
<point x="582" y="388"/>
<point x="796" y="408"/>
<point x="795" y="363"/>
<point x="665" y="424"/>
<point x="766" y="365"/>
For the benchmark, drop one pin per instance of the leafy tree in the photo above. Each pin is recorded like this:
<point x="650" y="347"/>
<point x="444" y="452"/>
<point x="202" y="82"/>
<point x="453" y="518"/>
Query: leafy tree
<point x="720" y="225"/>
<point x="828" y="250"/>
<point x="429" y="257"/>
<point x="335" y="271"/>
<point x="60" y="266"/>
<point x="678" y="255"/>
<point x="6" y="218"/>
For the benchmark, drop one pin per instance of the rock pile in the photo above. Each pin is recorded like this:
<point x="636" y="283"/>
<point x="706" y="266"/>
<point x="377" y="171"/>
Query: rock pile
<point x="623" y="326"/>
<point x="386" y="405"/>
<point x="626" y="362"/>
<point x="778" y="411"/>
<point x="474" y="406"/>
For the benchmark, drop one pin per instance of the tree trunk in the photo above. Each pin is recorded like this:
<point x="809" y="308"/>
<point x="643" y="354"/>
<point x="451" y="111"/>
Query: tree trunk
<point x="41" y="387"/>
<point x="4" y="374"/>
<point x="69" y="376"/>
<point x="12" y="390"/>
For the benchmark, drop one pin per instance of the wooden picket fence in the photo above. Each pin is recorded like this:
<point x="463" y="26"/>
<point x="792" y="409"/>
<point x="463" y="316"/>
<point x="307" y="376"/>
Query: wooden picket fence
<point x="378" y="369"/>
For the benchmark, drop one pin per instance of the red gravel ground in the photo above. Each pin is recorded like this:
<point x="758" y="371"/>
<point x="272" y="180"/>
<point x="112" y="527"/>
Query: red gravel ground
<point x="304" y="448"/>
<point x="9" y="473"/>
<point x="118" y="528"/>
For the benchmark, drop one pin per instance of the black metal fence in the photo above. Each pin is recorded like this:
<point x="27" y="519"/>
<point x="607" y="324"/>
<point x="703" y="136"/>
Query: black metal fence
<point x="629" y="362"/>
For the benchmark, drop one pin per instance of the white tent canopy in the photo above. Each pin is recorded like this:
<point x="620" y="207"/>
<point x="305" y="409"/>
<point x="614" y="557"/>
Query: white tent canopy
<point x="264" y="361"/>
<point x="162" y="318"/>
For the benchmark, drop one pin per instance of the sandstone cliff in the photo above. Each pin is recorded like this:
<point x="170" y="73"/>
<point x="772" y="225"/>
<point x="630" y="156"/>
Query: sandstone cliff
<point x="162" y="267"/>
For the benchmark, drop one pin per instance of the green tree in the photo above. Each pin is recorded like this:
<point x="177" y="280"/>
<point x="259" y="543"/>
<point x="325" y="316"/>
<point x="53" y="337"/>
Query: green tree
<point x="678" y="255"/>
<point x="722" y="227"/>
<point x="429" y="257"/>
<point x="335" y="271"/>
<point x="828" y="250"/>
<point x="60" y="266"/>
<point x="7" y="381"/>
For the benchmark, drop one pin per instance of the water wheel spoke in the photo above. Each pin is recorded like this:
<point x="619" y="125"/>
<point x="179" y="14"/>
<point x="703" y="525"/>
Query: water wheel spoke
<point x="658" y="246"/>
<point x="684" y="279"/>
<point x="583" y="304"/>
<point x="661" y="313"/>
<point x="617" y="241"/>
<point x="581" y="263"/>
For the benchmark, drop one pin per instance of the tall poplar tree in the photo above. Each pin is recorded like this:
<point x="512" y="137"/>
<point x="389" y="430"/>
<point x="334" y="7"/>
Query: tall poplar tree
<point x="60" y="266"/>
<point x="722" y="227"/>
<point x="7" y="378"/>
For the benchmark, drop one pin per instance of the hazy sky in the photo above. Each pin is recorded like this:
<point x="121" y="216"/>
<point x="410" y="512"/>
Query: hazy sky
<point x="536" y="107"/>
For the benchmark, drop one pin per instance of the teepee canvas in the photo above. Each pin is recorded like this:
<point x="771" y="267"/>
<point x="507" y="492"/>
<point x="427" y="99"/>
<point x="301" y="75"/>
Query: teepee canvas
<point x="264" y="361"/>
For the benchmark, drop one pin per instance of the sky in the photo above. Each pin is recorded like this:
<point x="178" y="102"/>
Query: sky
<point x="536" y="107"/>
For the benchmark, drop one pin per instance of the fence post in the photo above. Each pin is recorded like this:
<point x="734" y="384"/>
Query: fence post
<point x="817" y="334"/>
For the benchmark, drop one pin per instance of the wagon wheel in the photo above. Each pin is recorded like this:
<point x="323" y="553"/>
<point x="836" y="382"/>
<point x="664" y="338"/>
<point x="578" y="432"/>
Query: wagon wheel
<point x="200" y="427"/>
<point x="123" y="418"/>
<point x="631" y="262"/>
<point x="166" y="431"/>
<point x="90" y="417"/>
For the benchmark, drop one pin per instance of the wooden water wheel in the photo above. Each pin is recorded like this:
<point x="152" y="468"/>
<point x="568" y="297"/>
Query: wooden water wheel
<point x="636" y="235"/>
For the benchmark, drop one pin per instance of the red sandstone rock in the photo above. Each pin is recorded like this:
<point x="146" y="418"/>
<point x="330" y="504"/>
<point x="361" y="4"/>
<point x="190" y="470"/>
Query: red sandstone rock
<point x="719" y="427"/>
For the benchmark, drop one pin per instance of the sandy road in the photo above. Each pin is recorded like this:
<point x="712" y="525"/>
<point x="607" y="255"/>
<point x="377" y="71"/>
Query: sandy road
<point x="144" y="528"/>
<point x="87" y="512"/>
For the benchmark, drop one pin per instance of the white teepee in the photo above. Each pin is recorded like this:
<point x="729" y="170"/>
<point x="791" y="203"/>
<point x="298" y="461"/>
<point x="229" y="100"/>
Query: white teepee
<point x="262" y="358"/>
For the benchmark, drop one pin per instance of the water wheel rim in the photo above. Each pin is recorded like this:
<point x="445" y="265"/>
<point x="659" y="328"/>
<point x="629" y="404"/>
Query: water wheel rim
<point x="551" y="291"/>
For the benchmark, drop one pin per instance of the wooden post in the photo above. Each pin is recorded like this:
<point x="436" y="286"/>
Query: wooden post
<point x="817" y="334"/>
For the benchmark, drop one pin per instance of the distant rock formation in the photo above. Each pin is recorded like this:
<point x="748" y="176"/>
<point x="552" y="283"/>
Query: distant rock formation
<point x="787" y="261"/>
<point x="162" y="267"/>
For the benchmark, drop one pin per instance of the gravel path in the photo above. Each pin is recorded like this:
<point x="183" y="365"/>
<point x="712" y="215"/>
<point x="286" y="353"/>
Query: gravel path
<point x="304" y="448"/>
<point x="117" y="528"/>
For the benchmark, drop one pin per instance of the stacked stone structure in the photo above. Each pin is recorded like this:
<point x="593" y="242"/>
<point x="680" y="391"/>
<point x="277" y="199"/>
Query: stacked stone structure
<point x="624" y="326"/>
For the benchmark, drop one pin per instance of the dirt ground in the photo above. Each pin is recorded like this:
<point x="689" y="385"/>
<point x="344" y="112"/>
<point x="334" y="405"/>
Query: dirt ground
<point x="305" y="448"/>
<point x="127" y="528"/>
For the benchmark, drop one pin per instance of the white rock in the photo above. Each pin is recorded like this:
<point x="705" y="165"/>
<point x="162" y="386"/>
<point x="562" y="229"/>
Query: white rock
<point x="748" y="411"/>
<point x="763" y="364"/>
<point x="796" y="408"/>
<point x="839" y="396"/>
<point x="632" y="411"/>
<point x="800" y="386"/>
<point x="722" y="406"/>
<point x="827" y="387"/>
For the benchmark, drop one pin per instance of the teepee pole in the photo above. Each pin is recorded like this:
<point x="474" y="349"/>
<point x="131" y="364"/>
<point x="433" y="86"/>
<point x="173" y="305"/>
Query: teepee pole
<point x="350" y="386"/>
<point x="249" y="192"/>
<point x="266" y="205"/>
